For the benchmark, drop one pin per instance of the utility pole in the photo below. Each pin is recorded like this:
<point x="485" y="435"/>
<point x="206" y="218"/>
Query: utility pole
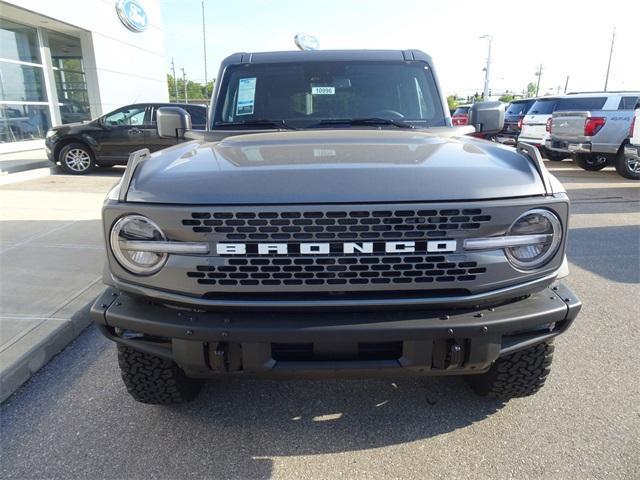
<point x="184" y="82"/>
<point x="566" y="84"/>
<point x="485" y="93"/>
<point x="204" y="49"/>
<point x="613" y="39"/>
<point x="539" y="74"/>
<point x="175" y="80"/>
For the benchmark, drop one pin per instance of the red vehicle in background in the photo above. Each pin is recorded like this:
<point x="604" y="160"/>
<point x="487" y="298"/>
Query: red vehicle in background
<point x="461" y="115"/>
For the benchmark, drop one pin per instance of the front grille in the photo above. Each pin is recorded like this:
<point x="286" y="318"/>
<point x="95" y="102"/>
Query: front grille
<point x="343" y="270"/>
<point x="396" y="224"/>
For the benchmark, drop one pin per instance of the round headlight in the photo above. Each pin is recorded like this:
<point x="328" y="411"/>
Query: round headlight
<point x="136" y="228"/>
<point x="541" y="223"/>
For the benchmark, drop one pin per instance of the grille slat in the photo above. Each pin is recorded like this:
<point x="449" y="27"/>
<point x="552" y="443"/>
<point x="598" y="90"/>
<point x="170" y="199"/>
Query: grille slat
<point x="354" y="270"/>
<point x="336" y="225"/>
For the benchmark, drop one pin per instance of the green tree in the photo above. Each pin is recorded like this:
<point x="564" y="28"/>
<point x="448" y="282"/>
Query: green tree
<point x="195" y="90"/>
<point x="531" y="89"/>
<point x="507" y="97"/>
<point x="452" y="101"/>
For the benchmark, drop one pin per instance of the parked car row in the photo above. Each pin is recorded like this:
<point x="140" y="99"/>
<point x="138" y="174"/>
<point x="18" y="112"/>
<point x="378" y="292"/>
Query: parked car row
<point x="108" y="140"/>
<point x="592" y="128"/>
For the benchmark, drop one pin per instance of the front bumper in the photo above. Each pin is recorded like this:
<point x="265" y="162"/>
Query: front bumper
<point x="568" y="147"/>
<point x="431" y="342"/>
<point x="48" y="149"/>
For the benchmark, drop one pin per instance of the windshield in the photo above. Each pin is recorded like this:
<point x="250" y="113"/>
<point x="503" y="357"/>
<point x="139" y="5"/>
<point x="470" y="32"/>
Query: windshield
<point x="518" y="108"/>
<point x="304" y="94"/>
<point x="461" y="111"/>
<point x="543" y="107"/>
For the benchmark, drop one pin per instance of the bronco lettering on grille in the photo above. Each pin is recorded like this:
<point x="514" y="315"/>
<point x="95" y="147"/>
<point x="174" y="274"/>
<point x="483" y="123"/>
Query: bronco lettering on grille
<point x="347" y="248"/>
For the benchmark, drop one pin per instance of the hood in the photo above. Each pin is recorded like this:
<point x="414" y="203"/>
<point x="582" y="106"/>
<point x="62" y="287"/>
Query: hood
<point x="334" y="166"/>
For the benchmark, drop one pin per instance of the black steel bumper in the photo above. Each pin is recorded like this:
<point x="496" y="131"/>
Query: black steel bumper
<point x="432" y="342"/>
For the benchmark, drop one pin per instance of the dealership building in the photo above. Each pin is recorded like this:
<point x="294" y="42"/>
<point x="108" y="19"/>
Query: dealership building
<point x="67" y="61"/>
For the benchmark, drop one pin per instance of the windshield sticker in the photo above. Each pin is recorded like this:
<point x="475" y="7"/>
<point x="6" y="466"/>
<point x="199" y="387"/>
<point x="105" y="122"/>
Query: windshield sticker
<point x="246" y="96"/>
<point x="323" y="90"/>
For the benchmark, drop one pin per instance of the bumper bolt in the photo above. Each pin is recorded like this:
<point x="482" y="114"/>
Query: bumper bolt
<point x="479" y="315"/>
<point x="555" y="289"/>
<point x="450" y="332"/>
<point x="189" y="332"/>
<point x="104" y="305"/>
<point x="567" y="300"/>
<point x="444" y="317"/>
<point x="492" y="309"/>
<point x="484" y="329"/>
<point x="118" y="304"/>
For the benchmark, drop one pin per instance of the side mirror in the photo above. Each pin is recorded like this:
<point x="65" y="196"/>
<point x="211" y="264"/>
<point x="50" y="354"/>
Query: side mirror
<point x="172" y="122"/>
<point x="487" y="117"/>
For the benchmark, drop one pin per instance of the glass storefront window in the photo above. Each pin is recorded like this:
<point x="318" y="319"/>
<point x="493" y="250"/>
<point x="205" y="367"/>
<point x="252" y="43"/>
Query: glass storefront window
<point x="71" y="84"/>
<point x="21" y="83"/>
<point x="18" y="42"/>
<point x="23" y="122"/>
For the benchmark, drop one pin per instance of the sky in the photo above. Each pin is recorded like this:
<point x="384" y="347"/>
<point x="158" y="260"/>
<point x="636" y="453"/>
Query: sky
<point x="569" y="38"/>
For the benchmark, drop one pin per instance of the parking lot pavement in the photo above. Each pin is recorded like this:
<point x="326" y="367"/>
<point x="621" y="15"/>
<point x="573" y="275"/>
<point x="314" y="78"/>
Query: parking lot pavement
<point x="74" y="419"/>
<point x="51" y="259"/>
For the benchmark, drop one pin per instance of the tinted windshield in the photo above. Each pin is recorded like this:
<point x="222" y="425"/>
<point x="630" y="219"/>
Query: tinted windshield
<point x="518" y="108"/>
<point x="543" y="107"/>
<point x="461" y="111"/>
<point x="303" y="94"/>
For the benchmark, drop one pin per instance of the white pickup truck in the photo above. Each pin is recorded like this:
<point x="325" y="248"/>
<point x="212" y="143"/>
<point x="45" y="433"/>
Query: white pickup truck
<point x="594" y="128"/>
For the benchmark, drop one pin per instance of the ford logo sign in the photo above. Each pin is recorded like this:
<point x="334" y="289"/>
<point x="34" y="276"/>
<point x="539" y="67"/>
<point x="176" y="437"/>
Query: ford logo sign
<point x="132" y="15"/>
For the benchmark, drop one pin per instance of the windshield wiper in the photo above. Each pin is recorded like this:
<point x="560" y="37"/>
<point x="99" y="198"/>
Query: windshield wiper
<point x="257" y="123"/>
<point x="365" y="121"/>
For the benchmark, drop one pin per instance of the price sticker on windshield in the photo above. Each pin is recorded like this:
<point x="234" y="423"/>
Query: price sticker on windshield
<point x="323" y="90"/>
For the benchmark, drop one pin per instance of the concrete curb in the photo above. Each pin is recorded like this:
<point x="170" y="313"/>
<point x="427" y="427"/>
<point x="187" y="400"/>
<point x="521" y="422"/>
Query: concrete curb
<point x="21" y="359"/>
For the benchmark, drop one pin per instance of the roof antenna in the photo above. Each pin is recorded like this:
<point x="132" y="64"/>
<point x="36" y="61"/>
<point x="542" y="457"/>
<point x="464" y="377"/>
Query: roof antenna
<point x="306" y="42"/>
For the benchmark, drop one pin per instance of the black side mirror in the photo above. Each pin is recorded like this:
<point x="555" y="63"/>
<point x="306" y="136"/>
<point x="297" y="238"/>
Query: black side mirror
<point x="487" y="117"/>
<point x="172" y="122"/>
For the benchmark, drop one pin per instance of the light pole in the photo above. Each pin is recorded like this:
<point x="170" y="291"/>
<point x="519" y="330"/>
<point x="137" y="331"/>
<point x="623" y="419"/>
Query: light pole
<point x="204" y="48"/>
<point x="539" y="74"/>
<point x="184" y="82"/>
<point x="613" y="39"/>
<point x="175" y="79"/>
<point x="485" y="94"/>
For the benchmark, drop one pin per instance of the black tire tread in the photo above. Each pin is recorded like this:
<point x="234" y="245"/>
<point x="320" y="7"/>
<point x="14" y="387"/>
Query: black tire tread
<point x="155" y="380"/>
<point x="63" y="151"/>
<point x="518" y="374"/>
<point x="583" y="160"/>
<point x="623" y="169"/>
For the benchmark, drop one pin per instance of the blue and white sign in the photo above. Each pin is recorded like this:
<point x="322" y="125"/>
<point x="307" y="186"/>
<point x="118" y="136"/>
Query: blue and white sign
<point x="132" y="15"/>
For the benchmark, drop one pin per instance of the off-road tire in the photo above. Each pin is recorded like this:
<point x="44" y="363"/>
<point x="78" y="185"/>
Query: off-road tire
<point x="518" y="374"/>
<point x="84" y="162"/>
<point x="589" y="162"/>
<point x="625" y="167"/>
<point x="155" y="380"/>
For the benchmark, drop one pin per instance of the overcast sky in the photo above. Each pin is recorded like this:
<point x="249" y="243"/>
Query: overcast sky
<point x="567" y="37"/>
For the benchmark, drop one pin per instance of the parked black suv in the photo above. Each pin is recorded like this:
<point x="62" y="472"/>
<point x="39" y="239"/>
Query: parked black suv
<point x="108" y="140"/>
<point x="513" y="116"/>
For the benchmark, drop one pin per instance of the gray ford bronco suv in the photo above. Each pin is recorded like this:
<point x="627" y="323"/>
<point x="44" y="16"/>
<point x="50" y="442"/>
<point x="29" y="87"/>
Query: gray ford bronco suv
<point x="331" y="221"/>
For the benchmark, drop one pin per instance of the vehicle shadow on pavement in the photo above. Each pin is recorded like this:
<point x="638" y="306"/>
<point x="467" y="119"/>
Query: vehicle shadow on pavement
<point x="74" y="419"/>
<point x="605" y="251"/>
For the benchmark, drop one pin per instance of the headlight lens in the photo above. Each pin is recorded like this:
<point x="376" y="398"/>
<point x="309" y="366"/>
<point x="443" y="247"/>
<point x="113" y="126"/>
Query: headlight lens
<point x="535" y="222"/>
<point x="137" y="228"/>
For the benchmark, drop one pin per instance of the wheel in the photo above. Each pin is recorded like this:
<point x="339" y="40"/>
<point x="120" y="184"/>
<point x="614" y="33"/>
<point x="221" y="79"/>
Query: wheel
<point x="76" y="159"/>
<point x="518" y="374"/>
<point x="155" y="380"/>
<point x="591" y="161"/>
<point x="627" y="167"/>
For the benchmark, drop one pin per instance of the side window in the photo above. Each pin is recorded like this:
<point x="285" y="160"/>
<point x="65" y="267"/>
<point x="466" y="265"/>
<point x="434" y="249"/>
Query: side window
<point x="628" y="103"/>
<point x="126" y="116"/>
<point x="198" y="117"/>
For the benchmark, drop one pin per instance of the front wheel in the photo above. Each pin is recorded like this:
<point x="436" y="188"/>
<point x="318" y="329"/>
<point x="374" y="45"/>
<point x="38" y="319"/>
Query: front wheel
<point x="76" y="159"/>
<point x="155" y="380"/>
<point x="591" y="162"/>
<point x="628" y="167"/>
<point x="517" y="374"/>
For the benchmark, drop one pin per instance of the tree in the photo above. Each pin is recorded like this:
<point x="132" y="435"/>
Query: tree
<point x="506" y="98"/>
<point x="452" y="101"/>
<point x="195" y="90"/>
<point x="531" y="89"/>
